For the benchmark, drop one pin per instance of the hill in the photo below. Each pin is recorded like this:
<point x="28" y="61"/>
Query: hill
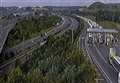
<point x="99" y="5"/>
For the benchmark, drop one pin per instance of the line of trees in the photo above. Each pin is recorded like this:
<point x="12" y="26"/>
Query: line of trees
<point x="109" y="15"/>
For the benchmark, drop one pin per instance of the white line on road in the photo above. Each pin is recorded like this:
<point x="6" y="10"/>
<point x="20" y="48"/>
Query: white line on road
<point x="106" y="76"/>
<point x="114" y="67"/>
<point x="99" y="66"/>
<point x="100" y="53"/>
<point x="97" y="63"/>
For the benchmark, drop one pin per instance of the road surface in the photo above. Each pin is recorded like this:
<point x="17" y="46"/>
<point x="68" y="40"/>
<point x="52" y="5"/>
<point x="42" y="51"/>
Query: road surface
<point x="27" y="47"/>
<point x="98" y="54"/>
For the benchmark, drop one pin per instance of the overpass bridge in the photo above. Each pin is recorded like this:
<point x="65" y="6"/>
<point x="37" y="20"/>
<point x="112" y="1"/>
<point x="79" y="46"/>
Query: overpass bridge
<point x="106" y="36"/>
<point x="4" y="31"/>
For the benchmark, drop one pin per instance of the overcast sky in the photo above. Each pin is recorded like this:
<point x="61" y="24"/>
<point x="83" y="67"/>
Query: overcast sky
<point x="52" y="2"/>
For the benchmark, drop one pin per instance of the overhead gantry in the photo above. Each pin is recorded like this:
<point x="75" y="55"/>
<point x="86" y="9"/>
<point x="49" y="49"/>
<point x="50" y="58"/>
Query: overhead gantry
<point x="104" y="36"/>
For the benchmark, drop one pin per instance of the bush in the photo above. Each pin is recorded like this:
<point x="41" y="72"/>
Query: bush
<point x="58" y="61"/>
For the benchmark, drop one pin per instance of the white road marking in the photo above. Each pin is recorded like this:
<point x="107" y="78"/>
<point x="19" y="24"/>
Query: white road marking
<point x="100" y="54"/>
<point x="97" y="63"/>
<point x="103" y="70"/>
<point x="114" y="67"/>
<point x="99" y="66"/>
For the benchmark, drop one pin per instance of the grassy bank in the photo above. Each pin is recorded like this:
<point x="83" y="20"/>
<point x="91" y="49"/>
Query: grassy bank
<point x="110" y="25"/>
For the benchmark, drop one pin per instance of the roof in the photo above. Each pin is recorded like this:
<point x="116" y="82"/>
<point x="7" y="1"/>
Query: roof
<point x="97" y="30"/>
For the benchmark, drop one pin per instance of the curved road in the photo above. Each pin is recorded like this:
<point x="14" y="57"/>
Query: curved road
<point x="27" y="47"/>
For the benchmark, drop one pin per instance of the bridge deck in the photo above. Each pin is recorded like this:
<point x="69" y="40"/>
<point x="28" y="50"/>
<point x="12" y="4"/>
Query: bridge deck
<point x="4" y="31"/>
<point x="97" y="30"/>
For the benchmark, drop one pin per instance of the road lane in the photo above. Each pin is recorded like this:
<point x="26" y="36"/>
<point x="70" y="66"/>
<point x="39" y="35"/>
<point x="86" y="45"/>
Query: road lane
<point x="104" y="51"/>
<point x="29" y="46"/>
<point x="5" y="27"/>
<point x="108" y="72"/>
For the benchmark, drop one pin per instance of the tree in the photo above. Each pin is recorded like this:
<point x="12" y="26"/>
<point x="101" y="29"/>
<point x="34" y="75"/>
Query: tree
<point x="16" y="76"/>
<point x="35" y="76"/>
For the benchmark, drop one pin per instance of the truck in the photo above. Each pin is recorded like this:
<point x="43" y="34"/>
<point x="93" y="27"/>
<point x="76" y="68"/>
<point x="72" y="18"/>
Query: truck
<point x="115" y="61"/>
<point x="110" y="39"/>
<point x="90" y="39"/>
<point x="100" y="39"/>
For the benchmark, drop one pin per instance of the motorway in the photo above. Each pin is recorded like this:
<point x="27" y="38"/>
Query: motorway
<point x="27" y="47"/>
<point x="32" y="43"/>
<point x="6" y="25"/>
<point x="98" y="54"/>
<point x="72" y="27"/>
<point x="68" y="24"/>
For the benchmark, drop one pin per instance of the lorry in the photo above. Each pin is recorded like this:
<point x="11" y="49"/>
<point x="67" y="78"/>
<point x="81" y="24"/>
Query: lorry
<point x="114" y="59"/>
<point x="90" y="39"/>
<point x="100" y="39"/>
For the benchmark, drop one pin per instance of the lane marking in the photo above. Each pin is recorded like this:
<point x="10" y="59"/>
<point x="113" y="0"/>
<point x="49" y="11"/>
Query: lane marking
<point x="100" y="54"/>
<point x="106" y="76"/>
<point x="99" y="66"/>
<point x="97" y="63"/>
<point x="114" y="67"/>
